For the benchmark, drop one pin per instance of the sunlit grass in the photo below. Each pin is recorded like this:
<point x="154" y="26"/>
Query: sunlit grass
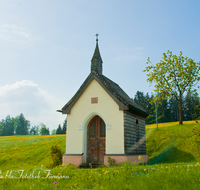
<point x="170" y="124"/>
<point x="27" y="152"/>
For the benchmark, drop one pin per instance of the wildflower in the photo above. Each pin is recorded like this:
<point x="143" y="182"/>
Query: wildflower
<point x="145" y="169"/>
<point x="106" y="172"/>
<point x="99" y="174"/>
<point x="54" y="182"/>
<point x="197" y="163"/>
<point x="139" y="157"/>
<point x="196" y="121"/>
<point x="59" y="174"/>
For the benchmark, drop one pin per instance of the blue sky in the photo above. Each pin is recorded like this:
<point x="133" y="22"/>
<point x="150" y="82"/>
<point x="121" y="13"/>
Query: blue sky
<point x="46" y="48"/>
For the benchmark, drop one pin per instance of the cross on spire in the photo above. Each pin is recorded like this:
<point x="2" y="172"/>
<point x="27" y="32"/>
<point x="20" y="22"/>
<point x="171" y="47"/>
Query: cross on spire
<point x="96" y="62"/>
<point x="97" y="36"/>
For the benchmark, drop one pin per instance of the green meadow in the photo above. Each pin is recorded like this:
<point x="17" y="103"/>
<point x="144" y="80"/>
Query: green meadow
<point x="173" y="163"/>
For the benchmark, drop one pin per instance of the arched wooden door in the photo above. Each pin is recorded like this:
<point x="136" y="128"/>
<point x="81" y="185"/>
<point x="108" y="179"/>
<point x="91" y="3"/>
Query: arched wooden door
<point x="96" y="134"/>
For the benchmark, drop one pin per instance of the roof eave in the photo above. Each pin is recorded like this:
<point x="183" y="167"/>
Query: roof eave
<point x="138" y="110"/>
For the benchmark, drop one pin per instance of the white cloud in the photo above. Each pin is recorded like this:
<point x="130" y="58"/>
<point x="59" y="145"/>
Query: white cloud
<point x="13" y="33"/>
<point x="37" y="105"/>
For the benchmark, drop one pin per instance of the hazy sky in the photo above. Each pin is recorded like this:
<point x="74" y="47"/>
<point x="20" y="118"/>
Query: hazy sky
<point x="46" y="48"/>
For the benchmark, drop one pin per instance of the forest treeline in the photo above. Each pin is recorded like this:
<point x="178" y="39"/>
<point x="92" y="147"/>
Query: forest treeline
<point x="20" y="126"/>
<point x="168" y="109"/>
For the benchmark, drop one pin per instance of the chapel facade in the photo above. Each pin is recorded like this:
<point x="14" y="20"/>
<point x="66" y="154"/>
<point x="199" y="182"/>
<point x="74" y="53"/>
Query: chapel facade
<point x="103" y="121"/>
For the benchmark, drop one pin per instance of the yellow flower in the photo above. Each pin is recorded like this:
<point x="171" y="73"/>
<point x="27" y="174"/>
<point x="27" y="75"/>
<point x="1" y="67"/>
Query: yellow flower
<point x="59" y="174"/>
<point x="139" y="157"/>
<point x="99" y="174"/>
<point x="188" y="170"/>
<point x="145" y="169"/>
<point x="106" y="172"/>
<point x="197" y="163"/>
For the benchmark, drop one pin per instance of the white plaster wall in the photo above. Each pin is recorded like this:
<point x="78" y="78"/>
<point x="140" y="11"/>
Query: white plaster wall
<point x="83" y="111"/>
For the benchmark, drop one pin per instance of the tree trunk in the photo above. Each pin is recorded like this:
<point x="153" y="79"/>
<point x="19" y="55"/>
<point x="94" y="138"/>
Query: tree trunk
<point x="180" y="111"/>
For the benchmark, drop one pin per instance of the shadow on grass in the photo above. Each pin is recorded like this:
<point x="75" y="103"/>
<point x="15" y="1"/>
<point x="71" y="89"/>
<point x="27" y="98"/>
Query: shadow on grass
<point x="172" y="155"/>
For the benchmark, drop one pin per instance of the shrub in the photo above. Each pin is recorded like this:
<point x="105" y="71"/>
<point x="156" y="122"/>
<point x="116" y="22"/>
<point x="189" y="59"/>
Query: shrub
<point x="56" y="156"/>
<point x="111" y="161"/>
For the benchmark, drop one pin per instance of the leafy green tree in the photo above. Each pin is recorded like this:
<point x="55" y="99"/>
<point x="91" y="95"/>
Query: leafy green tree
<point x="22" y="125"/>
<point x="43" y="129"/>
<point x="174" y="76"/>
<point x="53" y="132"/>
<point x="34" y="130"/>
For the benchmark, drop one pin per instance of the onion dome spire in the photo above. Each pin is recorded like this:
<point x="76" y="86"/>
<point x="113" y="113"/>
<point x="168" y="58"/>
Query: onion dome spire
<point x="96" y="62"/>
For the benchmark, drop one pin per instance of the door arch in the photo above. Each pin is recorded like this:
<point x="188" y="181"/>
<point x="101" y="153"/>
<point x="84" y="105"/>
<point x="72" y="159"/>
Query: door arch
<point x="96" y="136"/>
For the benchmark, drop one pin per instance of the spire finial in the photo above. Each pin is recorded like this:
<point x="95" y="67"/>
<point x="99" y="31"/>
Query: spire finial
<point x="96" y="62"/>
<point x="97" y="36"/>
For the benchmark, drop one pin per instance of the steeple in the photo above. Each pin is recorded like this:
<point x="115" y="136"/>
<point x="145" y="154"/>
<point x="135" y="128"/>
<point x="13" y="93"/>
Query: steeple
<point x="96" y="62"/>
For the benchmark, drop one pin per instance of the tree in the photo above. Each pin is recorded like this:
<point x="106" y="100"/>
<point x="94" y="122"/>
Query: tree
<point x="196" y="112"/>
<point x="174" y="76"/>
<point x="9" y="125"/>
<point x="64" y="128"/>
<point x="43" y="129"/>
<point x="22" y="125"/>
<point x="53" y="132"/>
<point x="59" y="130"/>
<point x="34" y="130"/>
<point x="2" y="128"/>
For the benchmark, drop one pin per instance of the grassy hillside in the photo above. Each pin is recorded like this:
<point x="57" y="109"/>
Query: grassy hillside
<point x="171" y="143"/>
<point x="27" y="152"/>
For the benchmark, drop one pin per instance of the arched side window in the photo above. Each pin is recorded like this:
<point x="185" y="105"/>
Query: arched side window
<point x="137" y="131"/>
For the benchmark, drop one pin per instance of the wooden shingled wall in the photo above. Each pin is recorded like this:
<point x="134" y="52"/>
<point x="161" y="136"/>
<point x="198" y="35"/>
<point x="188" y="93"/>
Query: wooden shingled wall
<point x="130" y="134"/>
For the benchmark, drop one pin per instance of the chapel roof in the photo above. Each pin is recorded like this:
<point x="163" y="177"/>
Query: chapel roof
<point x="113" y="89"/>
